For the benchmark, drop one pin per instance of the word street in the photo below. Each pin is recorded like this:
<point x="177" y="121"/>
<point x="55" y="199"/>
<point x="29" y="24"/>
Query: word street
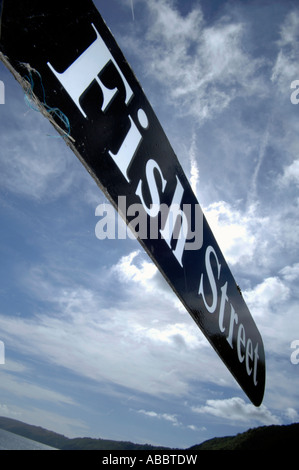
<point x="247" y="353"/>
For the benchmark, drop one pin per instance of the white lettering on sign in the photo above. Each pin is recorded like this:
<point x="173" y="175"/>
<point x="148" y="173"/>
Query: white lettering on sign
<point x="174" y="213"/>
<point x="228" y="319"/>
<point x="129" y="147"/>
<point x="88" y="67"/>
<point x="76" y="79"/>
<point x="154" y="208"/>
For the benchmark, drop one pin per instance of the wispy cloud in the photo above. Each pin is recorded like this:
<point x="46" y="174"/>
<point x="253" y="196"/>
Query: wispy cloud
<point x="286" y="68"/>
<point x="253" y="191"/>
<point x="194" y="170"/>
<point x="237" y="410"/>
<point x="270" y="292"/>
<point x="108" y="318"/>
<point x="238" y="232"/>
<point x="266" y="300"/>
<point x="118" y="343"/>
<point x="291" y="174"/>
<point x="204" y="67"/>
<point x="70" y="427"/>
<point x="14" y="384"/>
<point x="173" y="419"/>
<point x="132" y="9"/>
<point x="32" y="162"/>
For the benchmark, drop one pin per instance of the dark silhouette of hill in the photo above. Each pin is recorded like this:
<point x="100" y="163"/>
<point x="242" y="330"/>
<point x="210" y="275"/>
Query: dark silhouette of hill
<point x="278" y="438"/>
<point x="285" y="437"/>
<point x="58" y="441"/>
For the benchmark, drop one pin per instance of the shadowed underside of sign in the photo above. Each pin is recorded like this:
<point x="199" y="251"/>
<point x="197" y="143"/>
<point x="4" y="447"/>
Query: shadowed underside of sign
<point x="85" y="87"/>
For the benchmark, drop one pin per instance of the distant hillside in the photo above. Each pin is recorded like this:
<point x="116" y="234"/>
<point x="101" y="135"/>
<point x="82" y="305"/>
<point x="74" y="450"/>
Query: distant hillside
<point x="262" y="438"/>
<point x="278" y="438"/>
<point x="61" y="442"/>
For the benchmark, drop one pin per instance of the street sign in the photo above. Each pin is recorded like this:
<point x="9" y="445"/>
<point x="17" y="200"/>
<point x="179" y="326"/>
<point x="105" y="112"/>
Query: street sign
<point x="72" y="70"/>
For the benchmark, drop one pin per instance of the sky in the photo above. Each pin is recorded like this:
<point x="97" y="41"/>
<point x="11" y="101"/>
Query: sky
<point x="96" y="343"/>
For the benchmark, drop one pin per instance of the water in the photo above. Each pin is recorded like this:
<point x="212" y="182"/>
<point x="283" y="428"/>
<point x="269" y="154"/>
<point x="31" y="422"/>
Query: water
<point x="10" y="441"/>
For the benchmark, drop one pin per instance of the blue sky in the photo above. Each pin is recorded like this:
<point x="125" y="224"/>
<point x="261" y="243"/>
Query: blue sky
<point x="96" y="344"/>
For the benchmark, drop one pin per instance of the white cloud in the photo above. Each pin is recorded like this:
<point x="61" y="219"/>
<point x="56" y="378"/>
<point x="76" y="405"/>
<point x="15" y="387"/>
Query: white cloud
<point x="236" y="231"/>
<point x="237" y="410"/>
<point x="271" y="293"/>
<point x="139" y="342"/>
<point x="292" y="414"/>
<point x="177" y="334"/>
<point x="172" y="419"/>
<point x="161" y="416"/>
<point x="132" y="9"/>
<point x="274" y="304"/>
<point x="8" y="412"/>
<point x="204" y="67"/>
<point x="15" y="385"/>
<point x="194" y="170"/>
<point x="136" y="268"/>
<point x="291" y="174"/>
<point x="290" y="273"/>
<point x="286" y="67"/>
<point x="289" y="32"/>
<point x="35" y="160"/>
<point x="256" y="240"/>
<point x="128" y="271"/>
<point x="32" y="165"/>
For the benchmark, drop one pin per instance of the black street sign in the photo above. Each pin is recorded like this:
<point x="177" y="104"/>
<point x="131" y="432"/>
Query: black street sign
<point x="72" y="70"/>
